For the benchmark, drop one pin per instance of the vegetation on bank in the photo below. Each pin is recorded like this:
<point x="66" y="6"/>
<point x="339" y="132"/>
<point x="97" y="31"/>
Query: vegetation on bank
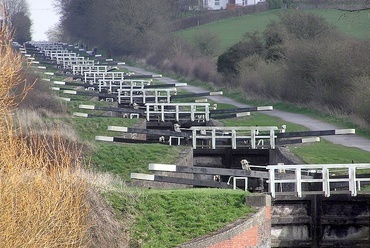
<point x="166" y="218"/>
<point x="138" y="207"/>
<point x="257" y="54"/>
<point x="42" y="193"/>
<point x="231" y="31"/>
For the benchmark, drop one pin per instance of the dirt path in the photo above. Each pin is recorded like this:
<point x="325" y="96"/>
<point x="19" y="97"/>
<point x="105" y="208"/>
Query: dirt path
<point x="310" y="123"/>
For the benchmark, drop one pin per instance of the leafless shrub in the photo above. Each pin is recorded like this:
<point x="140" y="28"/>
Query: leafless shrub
<point x="182" y="65"/>
<point x="207" y="42"/>
<point x="204" y="69"/>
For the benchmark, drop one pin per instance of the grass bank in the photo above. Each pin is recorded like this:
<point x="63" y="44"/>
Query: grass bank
<point x="167" y="218"/>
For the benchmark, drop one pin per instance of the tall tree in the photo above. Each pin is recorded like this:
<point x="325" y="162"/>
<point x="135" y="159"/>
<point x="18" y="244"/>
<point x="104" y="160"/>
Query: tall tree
<point x="18" y="17"/>
<point x="128" y="26"/>
<point x="22" y="27"/>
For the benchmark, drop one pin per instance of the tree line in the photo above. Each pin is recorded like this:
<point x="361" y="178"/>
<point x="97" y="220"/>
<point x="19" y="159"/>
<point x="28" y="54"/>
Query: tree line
<point x="299" y="58"/>
<point x="302" y="59"/>
<point x="15" y="13"/>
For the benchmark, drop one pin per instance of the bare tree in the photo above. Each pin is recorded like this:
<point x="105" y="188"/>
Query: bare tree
<point x="18" y="17"/>
<point x="13" y="7"/>
<point x="55" y="33"/>
<point x="140" y="24"/>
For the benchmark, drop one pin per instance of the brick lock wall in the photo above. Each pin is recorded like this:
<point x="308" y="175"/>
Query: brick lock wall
<point x="254" y="232"/>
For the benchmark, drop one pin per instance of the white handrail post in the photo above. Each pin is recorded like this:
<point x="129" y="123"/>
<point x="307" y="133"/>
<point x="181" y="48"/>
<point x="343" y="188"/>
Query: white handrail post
<point x="194" y="139"/>
<point x="192" y="112"/>
<point x="144" y="96"/>
<point x="298" y="182"/>
<point x="155" y="96"/>
<point x="326" y="181"/>
<point x="162" y="112"/>
<point x="207" y="112"/>
<point x="253" y="139"/>
<point x="147" y="113"/>
<point x="272" y="182"/>
<point x="272" y="139"/>
<point x="233" y="139"/>
<point x="177" y="113"/>
<point x="352" y="180"/>
<point x="168" y="96"/>
<point x="213" y="138"/>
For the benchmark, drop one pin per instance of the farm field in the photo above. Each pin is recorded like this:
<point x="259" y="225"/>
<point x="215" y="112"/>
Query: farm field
<point x="230" y="31"/>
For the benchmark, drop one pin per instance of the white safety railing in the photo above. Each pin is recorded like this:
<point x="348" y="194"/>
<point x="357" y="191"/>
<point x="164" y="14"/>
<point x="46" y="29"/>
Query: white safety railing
<point x="70" y="63"/>
<point x="116" y="85"/>
<point x="96" y="76"/>
<point x="326" y="170"/>
<point x="127" y="95"/>
<point x="177" y="111"/>
<point x="253" y="137"/>
<point x="53" y="54"/>
<point x="81" y="69"/>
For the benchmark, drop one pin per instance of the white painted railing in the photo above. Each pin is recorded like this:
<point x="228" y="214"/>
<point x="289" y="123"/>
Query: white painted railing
<point x="253" y="137"/>
<point x="126" y="95"/>
<point x="81" y="69"/>
<point x="95" y="76"/>
<point x="326" y="170"/>
<point x="173" y="111"/>
<point x="123" y="84"/>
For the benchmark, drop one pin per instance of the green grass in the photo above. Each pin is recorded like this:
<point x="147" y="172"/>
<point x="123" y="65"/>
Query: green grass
<point x="88" y="128"/>
<point x="120" y="159"/>
<point x="355" y="24"/>
<point x="231" y="31"/>
<point x="167" y="218"/>
<point x="325" y="152"/>
<point x="123" y="159"/>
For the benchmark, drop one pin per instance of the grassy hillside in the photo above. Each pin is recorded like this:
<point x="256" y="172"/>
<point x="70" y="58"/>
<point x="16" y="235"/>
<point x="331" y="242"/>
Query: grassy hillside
<point x="230" y="31"/>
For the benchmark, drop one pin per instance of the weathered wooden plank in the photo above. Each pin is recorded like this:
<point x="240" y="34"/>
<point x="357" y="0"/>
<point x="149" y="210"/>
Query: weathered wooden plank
<point x="297" y="141"/>
<point x="114" y="109"/>
<point x="315" y="133"/>
<point x="186" y="181"/>
<point x="149" y="131"/>
<point x="237" y="110"/>
<point x="197" y="94"/>
<point x="233" y="115"/>
<point x="209" y="171"/>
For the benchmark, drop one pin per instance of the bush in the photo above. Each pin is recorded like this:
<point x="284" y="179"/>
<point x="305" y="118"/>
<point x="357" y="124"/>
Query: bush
<point x="275" y="4"/>
<point x="204" y="69"/>
<point x="261" y="78"/>
<point x="207" y="42"/>
<point x="39" y="95"/>
<point x="182" y="65"/>
<point x="302" y="25"/>
<point x="227" y="62"/>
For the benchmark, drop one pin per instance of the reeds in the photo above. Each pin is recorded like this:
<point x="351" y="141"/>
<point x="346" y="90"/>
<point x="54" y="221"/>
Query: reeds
<point x="42" y="195"/>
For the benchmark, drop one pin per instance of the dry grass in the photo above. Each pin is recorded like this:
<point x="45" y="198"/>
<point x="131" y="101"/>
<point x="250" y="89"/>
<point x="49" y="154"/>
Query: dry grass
<point x="42" y="195"/>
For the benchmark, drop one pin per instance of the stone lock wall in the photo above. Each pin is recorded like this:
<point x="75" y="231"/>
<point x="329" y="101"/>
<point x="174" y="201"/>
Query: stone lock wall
<point x="253" y="232"/>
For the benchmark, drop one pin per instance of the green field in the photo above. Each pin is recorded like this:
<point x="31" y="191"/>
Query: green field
<point x="230" y="31"/>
